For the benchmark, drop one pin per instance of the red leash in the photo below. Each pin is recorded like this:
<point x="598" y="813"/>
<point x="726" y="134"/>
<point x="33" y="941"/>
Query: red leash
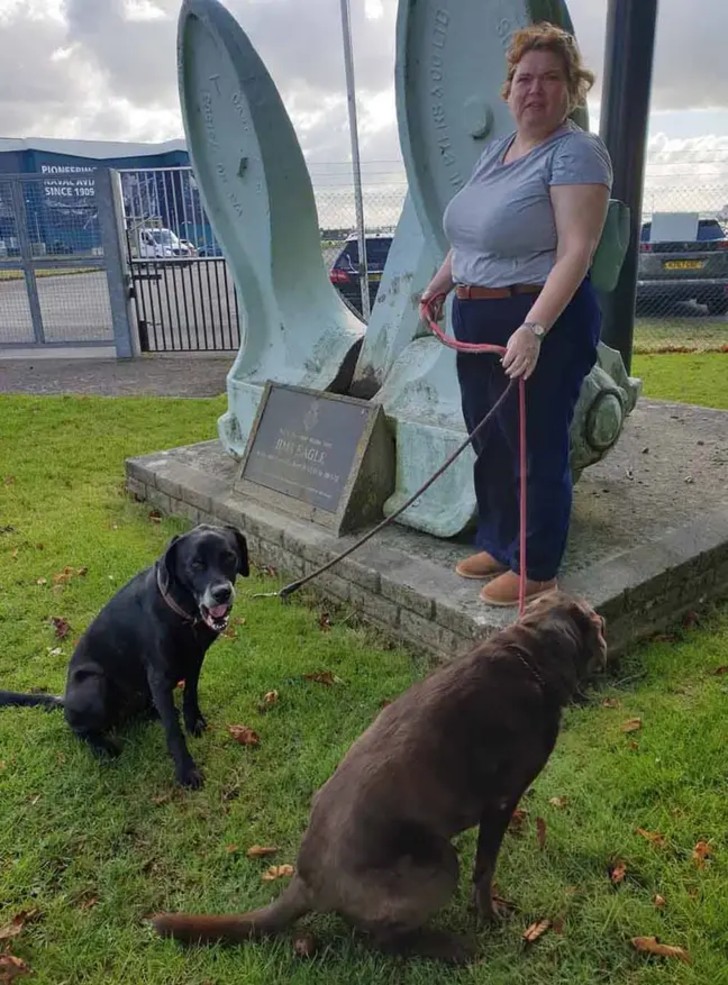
<point x="474" y="347"/>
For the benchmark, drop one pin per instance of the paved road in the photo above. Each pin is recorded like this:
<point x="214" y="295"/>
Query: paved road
<point x="74" y="308"/>
<point x="166" y="376"/>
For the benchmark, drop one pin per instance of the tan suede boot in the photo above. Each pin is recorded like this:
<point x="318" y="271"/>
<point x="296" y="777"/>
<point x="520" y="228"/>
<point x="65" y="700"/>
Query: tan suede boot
<point x="504" y="589"/>
<point x="481" y="565"/>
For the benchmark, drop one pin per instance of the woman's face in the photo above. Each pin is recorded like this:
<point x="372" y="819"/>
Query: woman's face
<point x="539" y="97"/>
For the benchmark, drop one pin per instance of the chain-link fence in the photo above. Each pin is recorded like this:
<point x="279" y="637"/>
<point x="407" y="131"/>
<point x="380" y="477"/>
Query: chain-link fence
<point x="184" y="293"/>
<point x="682" y="289"/>
<point x="53" y="286"/>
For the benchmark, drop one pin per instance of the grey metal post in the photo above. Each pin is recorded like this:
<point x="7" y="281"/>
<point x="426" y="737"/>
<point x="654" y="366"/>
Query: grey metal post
<point x="353" y="130"/>
<point x="624" y="120"/>
<point x="111" y="225"/>
<point x="26" y="255"/>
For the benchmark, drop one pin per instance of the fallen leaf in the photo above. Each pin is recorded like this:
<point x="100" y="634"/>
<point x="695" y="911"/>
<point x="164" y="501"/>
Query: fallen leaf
<point x="61" y="627"/>
<point x="155" y="516"/>
<point x="701" y="851"/>
<point x="269" y="570"/>
<point x="324" y="622"/>
<point x="14" y="554"/>
<point x="239" y="621"/>
<point x="323" y="677"/>
<point x="659" y="901"/>
<point x="518" y="819"/>
<point x="719" y="671"/>
<point x="690" y="619"/>
<point x="559" y="801"/>
<point x="277" y="872"/>
<point x="304" y="946"/>
<point x="230" y="633"/>
<point x="536" y="930"/>
<point x="161" y="798"/>
<point x="41" y="581"/>
<point x="270" y="698"/>
<point x="541" y="832"/>
<point x="88" y="902"/>
<point x="632" y="725"/>
<point x="11" y="968"/>
<point x="651" y="945"/>
<point x="244" y="735"/>
<point x="618" y="872"/>
<point x="558" y="925"/>
<point x="63" y="577"/>
<point x="610" y="703"/>
<point x="16" y="925"/>
<point x="81" y="572"/>
<point x="633" y="744"/>
<point x="261" y="851"/>
<point x="653" y="836"/>
<point x="231" y="849"/>
<point x="9" y="480"/>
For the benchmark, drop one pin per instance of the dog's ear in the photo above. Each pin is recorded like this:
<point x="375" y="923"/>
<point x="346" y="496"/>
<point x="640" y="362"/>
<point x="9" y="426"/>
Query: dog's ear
<point x="170" y="554"/>
<point x="242" y="549"/>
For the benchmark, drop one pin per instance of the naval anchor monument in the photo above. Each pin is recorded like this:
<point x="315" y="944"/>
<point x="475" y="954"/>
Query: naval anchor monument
<point x="332" y="424"/>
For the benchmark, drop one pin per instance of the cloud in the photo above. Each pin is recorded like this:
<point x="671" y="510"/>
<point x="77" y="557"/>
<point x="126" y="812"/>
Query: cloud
<point x="106" y="69"/>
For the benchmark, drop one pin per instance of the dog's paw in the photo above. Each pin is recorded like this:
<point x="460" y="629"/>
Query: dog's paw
<point x="196" y="724"/>
<point x="105" y="748"/>
<point x="490" y="908"/>
<point x="190" y="777"/>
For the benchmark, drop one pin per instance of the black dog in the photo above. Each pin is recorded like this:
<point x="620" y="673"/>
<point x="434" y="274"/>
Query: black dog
<point x="153" y="633"/>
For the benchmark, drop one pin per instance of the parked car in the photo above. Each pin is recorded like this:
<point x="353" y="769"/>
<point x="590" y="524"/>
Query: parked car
<point x="163" y="244"/>
<point x="344" y="272"/>
<point x="685" y="270"/>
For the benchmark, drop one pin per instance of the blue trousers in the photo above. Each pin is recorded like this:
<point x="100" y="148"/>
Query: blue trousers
<point x="567" y="354"/>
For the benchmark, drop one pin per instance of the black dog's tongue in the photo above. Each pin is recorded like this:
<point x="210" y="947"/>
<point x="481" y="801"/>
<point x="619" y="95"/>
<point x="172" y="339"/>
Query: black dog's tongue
<point x="218" y="611"/>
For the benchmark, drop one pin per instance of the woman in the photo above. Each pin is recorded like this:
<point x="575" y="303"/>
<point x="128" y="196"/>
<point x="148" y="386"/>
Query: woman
<point x="523" y="232"/>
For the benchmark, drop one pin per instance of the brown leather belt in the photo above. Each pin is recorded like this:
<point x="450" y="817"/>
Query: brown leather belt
<point x="468" y="292"/>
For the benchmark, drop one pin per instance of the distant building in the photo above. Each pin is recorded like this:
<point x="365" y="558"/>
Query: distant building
<point x="61" y="209"/>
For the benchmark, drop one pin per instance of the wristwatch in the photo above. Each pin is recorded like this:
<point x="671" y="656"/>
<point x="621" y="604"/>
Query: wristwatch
<point x="538" y="330"/>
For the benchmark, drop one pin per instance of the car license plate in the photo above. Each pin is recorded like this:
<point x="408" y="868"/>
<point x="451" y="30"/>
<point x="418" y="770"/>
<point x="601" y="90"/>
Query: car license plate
<point x="683" y="264"/>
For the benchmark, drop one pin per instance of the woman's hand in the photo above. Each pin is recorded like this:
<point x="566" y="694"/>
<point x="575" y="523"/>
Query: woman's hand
<point x="521" y="355"/>
<point x="435" y="302"/>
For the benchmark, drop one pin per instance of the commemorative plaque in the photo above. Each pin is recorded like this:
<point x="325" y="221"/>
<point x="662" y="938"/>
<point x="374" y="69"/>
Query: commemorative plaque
<point x="319" y="456"/>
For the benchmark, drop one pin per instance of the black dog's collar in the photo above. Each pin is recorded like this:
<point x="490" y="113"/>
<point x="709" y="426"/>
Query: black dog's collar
<point x="163" y="586"/>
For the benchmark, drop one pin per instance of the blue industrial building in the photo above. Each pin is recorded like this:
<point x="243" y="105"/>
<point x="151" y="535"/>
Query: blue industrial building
<point x="60" y="210"/>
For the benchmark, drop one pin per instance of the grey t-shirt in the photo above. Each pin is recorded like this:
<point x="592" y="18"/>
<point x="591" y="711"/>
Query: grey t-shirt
<point x="501" y="223"/>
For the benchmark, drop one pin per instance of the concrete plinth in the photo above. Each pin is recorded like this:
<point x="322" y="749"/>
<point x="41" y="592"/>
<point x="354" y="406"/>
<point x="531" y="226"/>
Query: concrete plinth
<point x="649" y="536"/>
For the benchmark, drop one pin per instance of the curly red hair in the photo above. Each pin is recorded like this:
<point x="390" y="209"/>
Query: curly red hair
<point x="548" y="37"/>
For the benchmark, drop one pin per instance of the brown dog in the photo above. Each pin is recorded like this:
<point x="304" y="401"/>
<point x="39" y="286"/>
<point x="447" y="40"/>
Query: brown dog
<point x="455" y="750"/>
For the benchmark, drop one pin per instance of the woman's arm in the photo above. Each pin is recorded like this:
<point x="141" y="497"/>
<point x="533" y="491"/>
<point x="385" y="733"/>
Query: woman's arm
<point x="579" y="212"/>
<point x="441" y="283"/>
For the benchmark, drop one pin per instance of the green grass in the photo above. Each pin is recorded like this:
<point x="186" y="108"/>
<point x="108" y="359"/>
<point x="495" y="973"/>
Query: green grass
<point x="47" y="272"/>
<point x="94" y="848"/>
<point x="696" y="333"/>
<point x="692" y="378"/>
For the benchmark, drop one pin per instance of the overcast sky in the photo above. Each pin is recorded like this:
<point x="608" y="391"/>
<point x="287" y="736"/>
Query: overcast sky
<point x="105" y="69"/>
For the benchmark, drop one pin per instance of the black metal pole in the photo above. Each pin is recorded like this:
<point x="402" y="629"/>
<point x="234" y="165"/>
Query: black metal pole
<point x="628" y="55"/>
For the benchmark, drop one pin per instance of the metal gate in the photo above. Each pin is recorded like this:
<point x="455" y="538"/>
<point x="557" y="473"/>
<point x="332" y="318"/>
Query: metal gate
<point x="61" y="270"/>
<point x="183" y="293"/>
